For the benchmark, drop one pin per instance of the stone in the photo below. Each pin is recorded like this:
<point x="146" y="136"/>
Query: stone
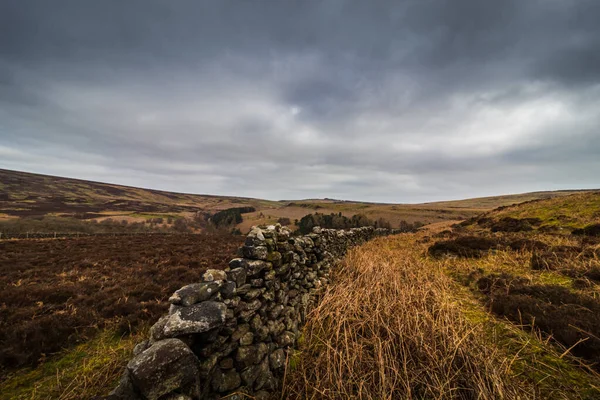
<point x="176" y="396"/>
<point x="246" y="356"/>
<point x="275" y="312"/>
<point x="226" y="381"/>
<point x="261" y="351"/>
<point x="262" y="333"/>
<point x="228" y="290"/>
<point x="287" y="338"/>
<point x="254" y="293"/>
<point x="277" y="359"/>
<point x="255" y="237"/>
<point x="241" y="330"/>
<point x="255" y="322"/>
<point x="140" y="347"/>
<point x="237" y="275"/>
<point x="162" y="368"/>
<point x="195" y="293"/>
<point x="264" y="379"/>
<point x="214" y="275"/>
<point x="262" y="395"/>
<point x="255" y="252"/>
<point x="275" y="258"/>
<point x="124" y="390"/>
<point x="242" y="290"/>
<point x="253" y="305"/>
<point x="247" y="339"/>
<point x="257" y="283"/>
<point x="275" y="327"/>
<point x="226" y="363"/>
<point x="198" y="318"/>
<point x="157" y="331"/>
<point x="252" y="267"/>
<point x="249" y="375"/>
<point x="207" y="365"/>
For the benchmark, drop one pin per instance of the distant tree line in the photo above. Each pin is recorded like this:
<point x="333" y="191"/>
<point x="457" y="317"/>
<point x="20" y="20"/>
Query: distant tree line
<point x="339" y="221"/>
<point x="221" y="222"/>
<point x="230" y="216"/>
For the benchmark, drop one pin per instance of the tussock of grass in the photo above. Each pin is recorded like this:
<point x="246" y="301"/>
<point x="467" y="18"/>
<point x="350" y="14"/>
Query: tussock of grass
<point x="388" y="328"/>
<point x="90" y="369"/>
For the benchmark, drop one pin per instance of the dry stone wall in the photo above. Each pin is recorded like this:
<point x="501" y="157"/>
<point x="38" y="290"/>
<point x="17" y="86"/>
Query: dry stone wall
<point x="229" y="335"/>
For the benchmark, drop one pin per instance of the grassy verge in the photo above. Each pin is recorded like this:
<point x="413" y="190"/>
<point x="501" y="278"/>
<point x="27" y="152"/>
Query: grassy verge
<point x="88" y="370"/>
<point x="397" y="324"/>
<point x="391" y="328"/>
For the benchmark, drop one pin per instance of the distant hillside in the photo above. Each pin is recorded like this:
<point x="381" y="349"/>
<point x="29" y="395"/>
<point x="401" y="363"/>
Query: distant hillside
<point x="27" y="195"/>
<point x="559" y="213"/>
<point x="24" y="194"/>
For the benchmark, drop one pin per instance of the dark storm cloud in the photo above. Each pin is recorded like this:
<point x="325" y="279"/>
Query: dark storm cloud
<point x="389" y="101"/>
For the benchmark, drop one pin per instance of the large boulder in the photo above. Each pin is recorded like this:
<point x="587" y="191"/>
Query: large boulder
<point x="167" y="365"/>
<point x="198" y="318"/>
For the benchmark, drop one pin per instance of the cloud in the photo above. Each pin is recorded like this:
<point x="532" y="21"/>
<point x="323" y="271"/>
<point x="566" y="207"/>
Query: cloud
<point x="393" y="101"/>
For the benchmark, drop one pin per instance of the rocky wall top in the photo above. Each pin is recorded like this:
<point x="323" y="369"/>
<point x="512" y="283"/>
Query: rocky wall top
<point x="228" y="336"/>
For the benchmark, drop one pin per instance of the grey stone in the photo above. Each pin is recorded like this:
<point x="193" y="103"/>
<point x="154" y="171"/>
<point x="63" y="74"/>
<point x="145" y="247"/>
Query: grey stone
<point x="237" y="275"/>
<point x="287" y="338"/>
<point x="228" y="290"/>
<point x="226" y="381"/>
<point x="275" y="258"/>
<point x="255" y="237"/>
<point x="257" y="283"/>
<point x="264" y="379"/>
<point x="241" y="330"/>
<point x="261" y="351"/>
<point x="247" y="339"/>
<point x="140" y="347"/>
<point x="176" y="396"/>
<point x="254" y="293"/>
<point x="164" y="367"/>
<point x="198" y="318"/>
<point x="255" y="252"/>
<point x="246" y="356"/>
<point x="250" y="374"/>
<point x="255" y="322"/>
<point x="242" y="290"/>
<point x="263" y="395"/>
<point x="195" y="293"/>
<point x="207" y="365"/>
<point x="226" y="363"/>
<point x="124" y="390"/>
<point x="252" y="267"/>
<point x="276" y="311"/>
<point x="157" y="331"/>
<point x="214" y="275"/>
<point x="277" y="359"/>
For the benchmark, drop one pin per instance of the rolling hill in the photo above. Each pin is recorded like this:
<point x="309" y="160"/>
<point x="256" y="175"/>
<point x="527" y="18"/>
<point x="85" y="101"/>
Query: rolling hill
<point x="28" y="195"/>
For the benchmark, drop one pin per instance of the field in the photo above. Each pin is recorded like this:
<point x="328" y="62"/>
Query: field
<point x="490" y="300"/>
<point x="55" y="294"/>
<point x="485" y="309"/>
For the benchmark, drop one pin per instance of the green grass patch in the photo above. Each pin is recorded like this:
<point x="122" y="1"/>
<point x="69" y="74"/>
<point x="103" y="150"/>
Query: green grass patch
<point x="90" y="369"/>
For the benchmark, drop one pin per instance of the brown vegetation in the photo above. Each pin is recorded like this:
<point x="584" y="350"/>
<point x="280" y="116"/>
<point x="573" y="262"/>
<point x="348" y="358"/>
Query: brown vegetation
<point x="387" y="329"/>
<point x="55" y="293"/>
<point x="571" y="318"/>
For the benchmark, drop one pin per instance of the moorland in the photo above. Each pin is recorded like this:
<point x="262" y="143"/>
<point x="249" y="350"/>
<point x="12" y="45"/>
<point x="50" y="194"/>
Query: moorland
<point x="491" y="298"/>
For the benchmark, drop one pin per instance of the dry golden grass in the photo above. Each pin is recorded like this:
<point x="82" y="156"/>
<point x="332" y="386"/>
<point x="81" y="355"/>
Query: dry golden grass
<point x="90" y="369"/>
<point x="391" y="328"/>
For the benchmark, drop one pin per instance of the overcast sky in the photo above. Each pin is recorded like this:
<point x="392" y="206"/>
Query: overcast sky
<point x="392" y="101"/>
